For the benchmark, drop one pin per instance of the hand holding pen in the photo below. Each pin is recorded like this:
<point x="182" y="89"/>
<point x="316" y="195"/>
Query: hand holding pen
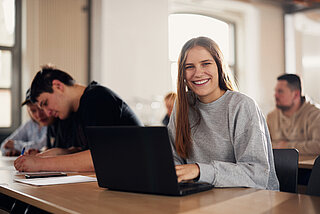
<point x="22" y="152"/>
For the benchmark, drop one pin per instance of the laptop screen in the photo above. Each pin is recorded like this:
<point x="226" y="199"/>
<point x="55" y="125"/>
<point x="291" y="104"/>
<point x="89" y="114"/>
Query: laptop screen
<point x="137" y="159"/>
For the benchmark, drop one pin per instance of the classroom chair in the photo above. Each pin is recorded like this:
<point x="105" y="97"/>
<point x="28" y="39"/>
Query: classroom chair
<point x="286" y="166"/>
<point x="314" y="181"/>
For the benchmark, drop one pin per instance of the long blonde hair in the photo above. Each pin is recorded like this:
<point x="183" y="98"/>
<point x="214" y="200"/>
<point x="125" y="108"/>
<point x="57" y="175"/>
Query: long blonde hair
<point x="183" y="129"/>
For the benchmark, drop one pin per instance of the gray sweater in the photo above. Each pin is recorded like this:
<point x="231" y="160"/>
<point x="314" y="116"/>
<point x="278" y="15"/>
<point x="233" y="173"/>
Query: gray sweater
<point x="231" y="144"/>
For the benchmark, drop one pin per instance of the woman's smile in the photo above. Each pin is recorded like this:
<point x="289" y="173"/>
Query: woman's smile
<point x="201" y="82"/>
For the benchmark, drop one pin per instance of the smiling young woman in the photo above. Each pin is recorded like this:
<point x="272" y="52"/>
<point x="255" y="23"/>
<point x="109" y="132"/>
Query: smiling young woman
<point x="201" y="74"/>
<point x="218" y="135"/>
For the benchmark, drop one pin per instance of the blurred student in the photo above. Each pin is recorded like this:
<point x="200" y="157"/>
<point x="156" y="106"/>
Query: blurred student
<point x="169" y="102"/>
<point x="218" y="135"/>
<point x="295" y="123"/>
<point x="32" y="135"/>
<point x="58" y="95"/>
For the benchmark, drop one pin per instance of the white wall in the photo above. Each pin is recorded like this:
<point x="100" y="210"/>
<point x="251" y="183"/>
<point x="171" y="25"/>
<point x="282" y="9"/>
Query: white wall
<point x="130" y="52"/>
<point x="272" y="55"/>
<point x="130" y="48"/>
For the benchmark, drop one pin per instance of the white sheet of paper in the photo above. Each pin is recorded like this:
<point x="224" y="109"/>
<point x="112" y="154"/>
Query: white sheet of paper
<point x="8" y="158"/>
<point x="7" y="163"/>
<point x="11" y="168"/>
<point x="57" y="180"/>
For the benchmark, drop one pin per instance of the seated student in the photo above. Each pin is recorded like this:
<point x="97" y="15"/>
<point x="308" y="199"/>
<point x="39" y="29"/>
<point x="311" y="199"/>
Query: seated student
<point x="32" y="135"/>
<point x="169" y="102"/>
<point x="218" y="135"/>
<point x="295" y="123"/>
<point x="58" y="95"/>
<point x="61" y="138"/>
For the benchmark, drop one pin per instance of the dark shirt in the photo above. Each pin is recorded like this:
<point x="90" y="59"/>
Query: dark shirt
<point x="99" y="106"/>
<point x="63" y="133"/>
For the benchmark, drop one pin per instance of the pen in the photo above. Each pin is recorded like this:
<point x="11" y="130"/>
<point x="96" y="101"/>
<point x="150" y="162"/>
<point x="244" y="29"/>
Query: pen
<point x="22" y="152"/>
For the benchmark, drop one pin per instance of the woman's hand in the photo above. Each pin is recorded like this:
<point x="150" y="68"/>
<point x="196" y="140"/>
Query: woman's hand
<point x="187" y="172"/>
<point x="9" y="144"/>
<point x="12" y="152"/>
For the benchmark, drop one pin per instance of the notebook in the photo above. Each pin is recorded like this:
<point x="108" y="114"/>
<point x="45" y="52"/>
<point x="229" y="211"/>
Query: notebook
<point x="137" y="159"/>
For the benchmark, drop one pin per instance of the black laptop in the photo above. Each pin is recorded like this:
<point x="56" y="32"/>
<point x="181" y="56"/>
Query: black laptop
<point x="137" y="159"/>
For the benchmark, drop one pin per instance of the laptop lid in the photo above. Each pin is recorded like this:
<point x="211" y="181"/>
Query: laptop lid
<point x="135" y="159"/>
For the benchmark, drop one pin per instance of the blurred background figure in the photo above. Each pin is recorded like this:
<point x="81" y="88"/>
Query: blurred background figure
<point x="32" y="135"/>
<point x="295" y="122"/>
<point x="169" y="100"/>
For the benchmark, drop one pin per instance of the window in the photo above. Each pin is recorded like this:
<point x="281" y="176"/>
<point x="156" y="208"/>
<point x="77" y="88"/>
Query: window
<point x="183" y="27"/>
<point x="10" y="13"/>
<point x="303" y="49"/>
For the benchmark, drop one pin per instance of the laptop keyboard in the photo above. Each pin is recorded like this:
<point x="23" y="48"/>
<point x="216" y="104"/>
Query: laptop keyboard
<point x="193" y="187"/>
<point x="188" y="185"/>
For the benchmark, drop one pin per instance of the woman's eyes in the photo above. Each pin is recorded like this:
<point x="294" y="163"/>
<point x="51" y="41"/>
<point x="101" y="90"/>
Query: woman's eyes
<point x="203" y="65"/>
<point x="188" y="67"/>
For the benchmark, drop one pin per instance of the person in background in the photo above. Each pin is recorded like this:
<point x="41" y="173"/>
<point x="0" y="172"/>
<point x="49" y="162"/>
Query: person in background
<point x="32" y="135"/>
<point x="56" y="92"/>
<point x="169" y="100"/>
<point x="218" y="135"/>
<point x="295" y="123"/>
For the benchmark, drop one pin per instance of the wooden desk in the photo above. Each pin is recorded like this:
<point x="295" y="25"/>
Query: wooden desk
<point x="304" y="171"/>
<point x="306" y="162"/>
<point x="89" y="198"/>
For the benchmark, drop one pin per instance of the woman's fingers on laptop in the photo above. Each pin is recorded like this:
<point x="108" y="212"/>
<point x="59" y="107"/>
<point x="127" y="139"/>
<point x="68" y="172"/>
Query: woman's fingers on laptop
<point x="187" y="172"/>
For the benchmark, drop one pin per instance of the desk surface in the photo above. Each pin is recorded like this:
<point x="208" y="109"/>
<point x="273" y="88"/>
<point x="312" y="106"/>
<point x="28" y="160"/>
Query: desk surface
<point x="89" y="198"/>
<point x="306" y="162"/>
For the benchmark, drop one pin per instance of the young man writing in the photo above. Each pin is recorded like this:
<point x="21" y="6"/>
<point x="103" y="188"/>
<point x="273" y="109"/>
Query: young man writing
<point x="56" y="92"/>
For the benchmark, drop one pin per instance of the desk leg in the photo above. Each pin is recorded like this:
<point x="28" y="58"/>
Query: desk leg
<point x="13" y="206"/>
<point x="6" y="202"/>
<point x="33" y="210"/>
<point x="18" y="207"/>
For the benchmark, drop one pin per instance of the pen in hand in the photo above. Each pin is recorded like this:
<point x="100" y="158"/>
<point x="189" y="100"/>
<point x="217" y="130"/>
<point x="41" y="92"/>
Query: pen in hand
<point x="22" y="152"/>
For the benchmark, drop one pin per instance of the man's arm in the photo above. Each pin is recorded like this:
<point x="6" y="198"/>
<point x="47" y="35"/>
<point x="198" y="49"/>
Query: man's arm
<point x="309" y="146"/>
<point x="280" y="144"/>
<point x="59" y="151"/>
<point x="77" y="162"/>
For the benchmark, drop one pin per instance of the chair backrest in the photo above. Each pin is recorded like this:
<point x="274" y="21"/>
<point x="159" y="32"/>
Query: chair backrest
<point x="286" y="165"/>
<point x="314" y="181"/>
